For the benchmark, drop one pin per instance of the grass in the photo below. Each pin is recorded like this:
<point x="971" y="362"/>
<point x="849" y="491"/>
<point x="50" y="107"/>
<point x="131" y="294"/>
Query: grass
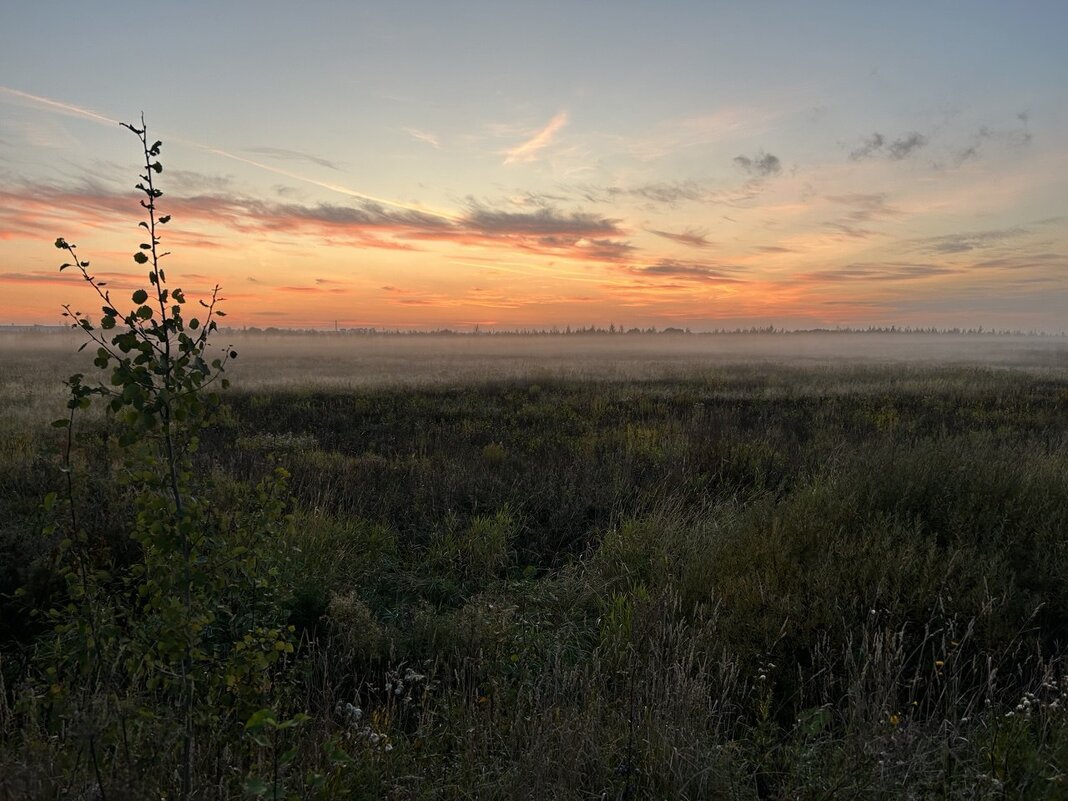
<point x="668" y="575"/>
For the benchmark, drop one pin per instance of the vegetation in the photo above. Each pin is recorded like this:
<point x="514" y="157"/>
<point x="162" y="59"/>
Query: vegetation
<point x="739" y="582"/>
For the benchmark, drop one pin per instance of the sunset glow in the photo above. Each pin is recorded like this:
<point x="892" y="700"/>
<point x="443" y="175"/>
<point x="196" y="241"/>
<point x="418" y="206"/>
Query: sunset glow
<point x="423" y="166"/>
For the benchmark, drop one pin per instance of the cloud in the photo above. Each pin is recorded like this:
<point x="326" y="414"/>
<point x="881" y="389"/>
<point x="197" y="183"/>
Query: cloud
<point x="878" y="271"/>
<point x="671" y="193"/>
<point x="528" y="150"/>
<point x="672" y="135"/>
<point x="864" y="210"/>
<point x="193" y="182"/>
<point x="43" y="210"/>
<point x="423" y="136"/>
<point x="109" y="280"/>
<point x="761" y="165"/>
<point x="282" y="190"/>
<point x="1007" y="138"/>
<point x="691" y="237"/>
<point x="898" y="149"/>
<point x="689" y="271"/>
<point x="310" y="289"/>
<point x="1023" y="262"/>
<point x="284" y="154"/>
<point x="667" y="193"/>
<point x="544" y="221"/>
<point x="871" y="145"/>
<point x="971" y="240"/>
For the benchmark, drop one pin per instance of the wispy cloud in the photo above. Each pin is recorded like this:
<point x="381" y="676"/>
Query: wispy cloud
<point x="672" y="135"/>
<point x="896" y="149"/>
<point x="671" y="193"/>
<point x="423" y="136"/>
<point x="691" y="237"/>
<point x="865" y="209"/>
<point x="1016" y="137"/>
<point x="188" y="182"/>
<point x="284" y="154"/>
<point x="311" y="290"/>
<point x="544" y="221"/>
<point x="761" y="165"/>
<point x="689" y="271"/>
<point x="42" y="210"/>
<point x="969" y="240"/>
<point x="1057" y="261"/>
<point x="878" y="271"/>
<point x="528" y="150"/>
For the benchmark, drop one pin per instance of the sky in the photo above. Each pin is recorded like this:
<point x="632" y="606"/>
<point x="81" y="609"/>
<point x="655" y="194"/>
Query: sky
<point x="425" y="165"/>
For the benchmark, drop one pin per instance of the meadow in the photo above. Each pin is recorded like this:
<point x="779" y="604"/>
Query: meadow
<point x="608" y="567"/>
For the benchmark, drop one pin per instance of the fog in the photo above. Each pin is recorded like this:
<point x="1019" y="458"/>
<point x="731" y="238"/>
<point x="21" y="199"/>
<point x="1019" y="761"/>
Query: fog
<point x="340" y="360"/>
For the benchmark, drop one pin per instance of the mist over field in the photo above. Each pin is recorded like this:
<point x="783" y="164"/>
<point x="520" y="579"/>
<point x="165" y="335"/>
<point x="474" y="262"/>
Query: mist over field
<point x="444" y="359"/>
<point x="295" y="360"/>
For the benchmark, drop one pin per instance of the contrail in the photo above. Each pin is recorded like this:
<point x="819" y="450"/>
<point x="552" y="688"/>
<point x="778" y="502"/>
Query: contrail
<point x="343" y="190"/>
<point x="56" y="105"/>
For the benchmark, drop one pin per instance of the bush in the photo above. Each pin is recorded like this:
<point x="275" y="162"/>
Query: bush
<point x="188" y="638"/>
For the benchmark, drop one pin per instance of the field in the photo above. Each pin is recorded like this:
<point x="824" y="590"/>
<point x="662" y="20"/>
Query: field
<point x="744" y="567"/>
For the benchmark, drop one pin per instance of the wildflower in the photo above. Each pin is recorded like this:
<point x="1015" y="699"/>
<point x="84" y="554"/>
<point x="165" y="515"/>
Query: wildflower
<point x="349" y="712"/>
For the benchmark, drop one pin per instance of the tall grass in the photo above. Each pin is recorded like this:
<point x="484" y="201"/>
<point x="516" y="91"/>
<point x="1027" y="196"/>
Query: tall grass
<point x="740" y="583"/>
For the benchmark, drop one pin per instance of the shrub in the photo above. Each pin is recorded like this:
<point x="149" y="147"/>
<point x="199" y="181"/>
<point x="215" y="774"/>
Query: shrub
<point x="189" y="636"/>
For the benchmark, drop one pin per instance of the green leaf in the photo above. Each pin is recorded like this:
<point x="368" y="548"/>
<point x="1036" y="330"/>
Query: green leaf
<point x="139" y="297"/>
<point x="63" y="422"/>
<point x="256" y="787"/>
<point x="264" y="717"/>
<point x="140" y="257"/>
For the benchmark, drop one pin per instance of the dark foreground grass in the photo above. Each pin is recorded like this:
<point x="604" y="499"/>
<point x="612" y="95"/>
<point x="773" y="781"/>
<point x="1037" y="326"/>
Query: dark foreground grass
<point x="748" y="583"/>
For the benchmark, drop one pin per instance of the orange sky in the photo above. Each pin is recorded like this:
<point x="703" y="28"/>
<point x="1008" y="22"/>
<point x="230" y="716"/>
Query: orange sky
<point x="864" y="188"/>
